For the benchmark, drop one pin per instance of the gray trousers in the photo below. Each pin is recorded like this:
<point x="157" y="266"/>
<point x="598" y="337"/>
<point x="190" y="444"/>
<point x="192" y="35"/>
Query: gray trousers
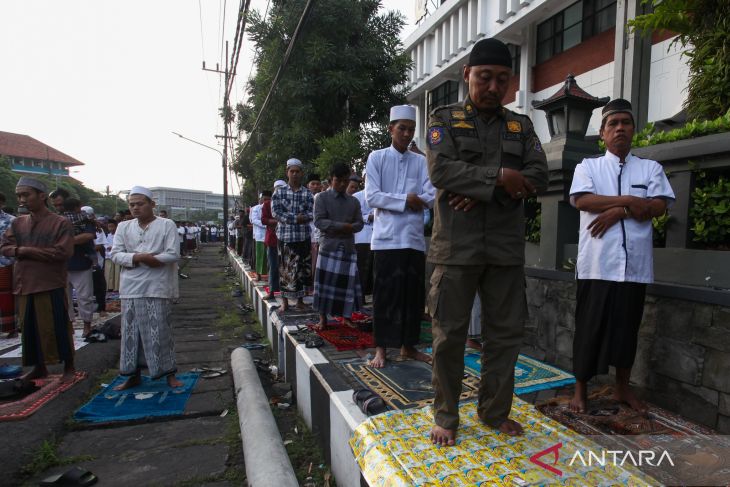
<point x="83" y="283"/>
<point x="147" y="337"/>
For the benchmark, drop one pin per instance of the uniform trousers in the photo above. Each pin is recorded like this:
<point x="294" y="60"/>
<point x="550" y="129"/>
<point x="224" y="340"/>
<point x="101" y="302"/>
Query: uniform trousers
<point x="504" y="309"/>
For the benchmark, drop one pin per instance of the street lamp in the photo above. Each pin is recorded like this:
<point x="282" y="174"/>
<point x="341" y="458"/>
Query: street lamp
<point x="225" y="180"/>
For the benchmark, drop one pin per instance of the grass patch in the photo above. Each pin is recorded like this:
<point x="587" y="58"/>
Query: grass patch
<point x="304" y="451"/>
<point x="46" y="457"/>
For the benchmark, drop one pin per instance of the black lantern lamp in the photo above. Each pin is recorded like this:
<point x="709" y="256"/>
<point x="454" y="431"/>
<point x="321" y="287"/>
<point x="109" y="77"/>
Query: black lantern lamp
<point x="569" y="110"/>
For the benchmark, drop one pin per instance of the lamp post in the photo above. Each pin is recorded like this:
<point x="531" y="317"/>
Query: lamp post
<point x="225" y="181"/>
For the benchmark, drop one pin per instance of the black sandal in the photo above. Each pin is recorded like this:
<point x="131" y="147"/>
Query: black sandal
<point x="314" y="341"/>
<point x="369" y="402"/>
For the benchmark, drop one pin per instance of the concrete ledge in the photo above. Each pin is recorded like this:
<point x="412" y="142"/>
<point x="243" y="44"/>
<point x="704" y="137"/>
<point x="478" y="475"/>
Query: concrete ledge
<point x="267" y="462"/>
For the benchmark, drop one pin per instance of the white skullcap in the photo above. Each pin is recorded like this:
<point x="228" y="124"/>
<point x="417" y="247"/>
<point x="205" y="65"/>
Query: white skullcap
<point x="279" y="184"/>
<point x="403" y="112"/>
<point x="293" y="162"/>
<point x="140" y="190"/>
<point x="87" y="209"/>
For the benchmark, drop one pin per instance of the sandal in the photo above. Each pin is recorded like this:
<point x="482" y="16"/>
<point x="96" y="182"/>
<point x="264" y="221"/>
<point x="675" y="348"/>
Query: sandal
<point x="369" y="402"/>
<point x="252" y="337"/>
<point x="75" y="476"/>
<point x="314" y="341"/>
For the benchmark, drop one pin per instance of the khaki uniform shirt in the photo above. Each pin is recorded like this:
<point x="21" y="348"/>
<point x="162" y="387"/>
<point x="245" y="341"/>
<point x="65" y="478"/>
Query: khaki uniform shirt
<point x="466" y="152"/>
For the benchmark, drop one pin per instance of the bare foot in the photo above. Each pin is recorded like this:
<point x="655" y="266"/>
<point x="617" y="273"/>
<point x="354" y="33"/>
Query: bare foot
<point x="38" y="372"/>
<point x="300" y="305"/>
<point x="442" y="436"/>
<point x="173" y="382"/>
<point x="578" y="403"/>
<point x="133" y="381"/>
<point x="378" y="362"/>
<point x="285" y="304"/>
<point x="348" y="322"/>
<point x="269" y="296"/>
<point x="413" y="353"/>
<point x="87" y="330"/>
<point x="68" y="375"/>
<point x="321" y="325"/>
<point x="625" y="394"/>
<point x="470" y="343"/>
<point x="511" y="427"/>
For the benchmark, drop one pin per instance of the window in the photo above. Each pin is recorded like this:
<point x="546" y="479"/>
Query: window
<point x="445" y="94"/>
<point x="573" y="25"/>
<point x="516" y="53"/>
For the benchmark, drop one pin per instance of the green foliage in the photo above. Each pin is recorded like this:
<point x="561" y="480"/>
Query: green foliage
<point x="649" y="135"/>
<point x="345" y="146"/>
<point x="704" y="34"/>
<point x="533" y="220"/>
<point x="659" y="224"/>
<point x="102" y="204"/>
<point x="346" y="70"/>
<point x="710" y="211"/>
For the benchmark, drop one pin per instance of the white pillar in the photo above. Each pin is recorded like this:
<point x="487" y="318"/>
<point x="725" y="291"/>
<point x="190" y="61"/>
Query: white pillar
<point x="446" y="40"/>
<point x="473" y="15"/>
<point x="463" y="27"/>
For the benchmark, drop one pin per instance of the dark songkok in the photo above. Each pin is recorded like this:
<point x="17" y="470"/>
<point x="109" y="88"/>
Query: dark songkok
<point x="356" y="178"/>
<point x="313" y="177"/>
<point x="619" y="105"/>
<point x="490" y="51"/>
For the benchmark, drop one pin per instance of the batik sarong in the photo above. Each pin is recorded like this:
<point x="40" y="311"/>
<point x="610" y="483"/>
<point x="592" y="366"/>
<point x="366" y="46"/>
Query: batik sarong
<point x="47" y="331"/>
<point x="337" y="288"/>
<point x="295" y="268"/>
<point x="147" y="337"/>
<point x="261" y="259"/>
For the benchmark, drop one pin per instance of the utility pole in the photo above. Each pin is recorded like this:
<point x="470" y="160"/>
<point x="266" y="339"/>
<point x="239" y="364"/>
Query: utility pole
<point x="225" y="136"/>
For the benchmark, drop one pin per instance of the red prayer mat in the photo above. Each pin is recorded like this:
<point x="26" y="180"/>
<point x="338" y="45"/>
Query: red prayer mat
<point x="50" y="387"/>
<point x="277" y="293"/>
<point x="345" y="338"/>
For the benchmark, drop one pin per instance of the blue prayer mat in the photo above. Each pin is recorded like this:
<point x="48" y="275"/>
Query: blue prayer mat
<point x="150" y="398"/>
<point x="530" y="374"/>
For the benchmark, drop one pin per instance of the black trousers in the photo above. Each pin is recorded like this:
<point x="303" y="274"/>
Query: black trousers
<point x="399" y="296"/>
<point x="99" y="283"/>
<point x="607" y="319"/>
<point x="365" y="267"/>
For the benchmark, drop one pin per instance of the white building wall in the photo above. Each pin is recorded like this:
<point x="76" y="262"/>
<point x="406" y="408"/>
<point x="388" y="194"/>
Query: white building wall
<point x="667" y="81"/>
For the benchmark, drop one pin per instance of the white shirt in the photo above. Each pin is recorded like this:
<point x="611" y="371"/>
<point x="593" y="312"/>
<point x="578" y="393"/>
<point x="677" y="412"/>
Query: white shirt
<point x="180" y="234"/>
<point x="100" y="240"/>
<point x="606" y="258"/>
<point x="214" y="231"/>
<point x="109" y="243"/>
<point x="141" y="281"/>
<point x="365" y="235"/>
<point x="232" y="227"/>
<point x="259" y="229"/>
<point x="390" y="177"/>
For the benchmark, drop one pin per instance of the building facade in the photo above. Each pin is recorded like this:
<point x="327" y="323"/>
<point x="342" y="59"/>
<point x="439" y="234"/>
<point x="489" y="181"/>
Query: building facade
<point x="30" y="156"/>
<point x="187" y="203"/>
<point x="549" y="39"/>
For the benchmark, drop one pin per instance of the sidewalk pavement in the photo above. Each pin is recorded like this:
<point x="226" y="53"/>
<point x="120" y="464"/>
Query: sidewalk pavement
<point x="199" y="448"/>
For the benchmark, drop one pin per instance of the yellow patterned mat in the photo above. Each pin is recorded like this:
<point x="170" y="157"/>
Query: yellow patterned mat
<point x="393" y="449"/>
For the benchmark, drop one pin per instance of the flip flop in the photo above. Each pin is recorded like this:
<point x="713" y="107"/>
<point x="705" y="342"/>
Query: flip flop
<point x="252" y="337"/>
<point x="212" y="374"/>
<point x="314" y="341"/>
<point x="369" y="402"/>
<point x="253" y="346"/>
<point x="75" y="476"/>
<point x="10" y="371"/>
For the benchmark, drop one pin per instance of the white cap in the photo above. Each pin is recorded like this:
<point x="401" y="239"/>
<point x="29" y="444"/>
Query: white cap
<point x="140" y="190"/>
<point x="87" y="209"/>
<point x="293" y="162"/>
<point x="403" y="112"/>
<point x="279" y="184"/>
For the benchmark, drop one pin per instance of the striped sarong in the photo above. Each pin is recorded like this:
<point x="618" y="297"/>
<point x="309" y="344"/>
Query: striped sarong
<point x="337" y="289"/>
<point x="47" y="331"/>
<point x="146" y="326"/>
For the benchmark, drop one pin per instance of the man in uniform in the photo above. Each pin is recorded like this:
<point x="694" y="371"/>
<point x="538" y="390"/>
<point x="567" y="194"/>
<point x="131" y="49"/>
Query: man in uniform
<point x="617" y="195"/>
<point x="484" y="160"/>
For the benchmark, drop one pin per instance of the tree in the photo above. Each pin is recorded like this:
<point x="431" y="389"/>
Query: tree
<point x="703" y="28"/>
<point x="346" y="70"/>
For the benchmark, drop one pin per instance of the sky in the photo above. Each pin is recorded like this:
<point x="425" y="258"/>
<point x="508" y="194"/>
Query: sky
<point x="108" y="82"/>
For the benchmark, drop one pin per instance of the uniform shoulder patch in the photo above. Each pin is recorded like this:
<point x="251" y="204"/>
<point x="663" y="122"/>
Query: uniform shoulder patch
<point x="461" y="124"/>
<point x="458" y="114"/>
<point x="435" y="136"/>
<point x="538" y="145"/>
<point x="514" y="126"/>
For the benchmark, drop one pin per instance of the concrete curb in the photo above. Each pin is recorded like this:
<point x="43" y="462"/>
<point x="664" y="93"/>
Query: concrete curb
<point x="267" y="462"/>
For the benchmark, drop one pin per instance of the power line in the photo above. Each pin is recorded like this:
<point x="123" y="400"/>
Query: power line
<point x="238" y="41"/>
<point x="250" y="70"/>
<point x="279" y="72"/>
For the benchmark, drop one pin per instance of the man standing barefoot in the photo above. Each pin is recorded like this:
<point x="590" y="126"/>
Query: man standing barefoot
<point x="41" y="243"/>
<point x="147" y="249"/>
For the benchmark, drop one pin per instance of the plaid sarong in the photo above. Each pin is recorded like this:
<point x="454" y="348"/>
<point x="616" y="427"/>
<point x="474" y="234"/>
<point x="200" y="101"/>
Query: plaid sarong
<point x="337" y="288"/>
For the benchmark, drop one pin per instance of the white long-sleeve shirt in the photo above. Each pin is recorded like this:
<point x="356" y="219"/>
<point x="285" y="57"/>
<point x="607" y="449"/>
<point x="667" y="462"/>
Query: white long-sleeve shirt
<point x="140" y="280"/>
<point x="391" y="176"/>
<point x="365" y="235"/>
<point x="259" y="229"/>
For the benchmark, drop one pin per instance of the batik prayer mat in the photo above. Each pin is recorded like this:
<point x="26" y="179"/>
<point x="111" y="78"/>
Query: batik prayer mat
<point x="530" y="374"/>
<point x="405" y="384"/>
<point x="394" y="449"/>
<point x="344" y="337"/>
<point x="49" y="387"/>
<point x="606" y="416"/>
<point x="149" y="399"/>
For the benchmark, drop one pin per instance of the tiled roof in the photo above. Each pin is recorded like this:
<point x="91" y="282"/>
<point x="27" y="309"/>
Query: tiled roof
<point x="570" y="89"/>
<point x="19" y="145"/>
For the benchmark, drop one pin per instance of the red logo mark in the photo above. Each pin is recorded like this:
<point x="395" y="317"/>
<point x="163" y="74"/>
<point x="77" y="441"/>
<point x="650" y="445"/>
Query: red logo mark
<point x="556" y="456"/>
